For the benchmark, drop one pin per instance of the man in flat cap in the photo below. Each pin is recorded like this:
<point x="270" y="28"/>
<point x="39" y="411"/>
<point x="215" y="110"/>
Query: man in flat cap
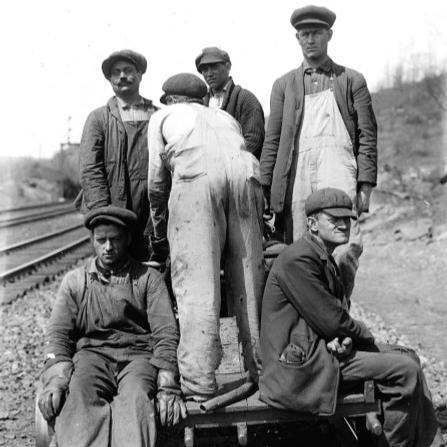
<point x="110" y="345"/>
<point x="311" y="346"/>
<point x="214" y="64"/>
<point x="200" y="170"/>
<point x="321" y="132"/>
<point x="113" y="152"/>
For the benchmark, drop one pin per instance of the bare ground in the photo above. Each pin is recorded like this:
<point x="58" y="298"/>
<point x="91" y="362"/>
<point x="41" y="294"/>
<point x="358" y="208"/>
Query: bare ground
<point x="400" y="293"/>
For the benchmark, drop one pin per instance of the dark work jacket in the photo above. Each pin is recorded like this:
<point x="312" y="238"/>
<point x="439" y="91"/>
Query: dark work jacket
<point x="245" y="108"/>
<point x="111" y="171"/>
<point x="284" y="124"/>
<point x="303" y="308"/>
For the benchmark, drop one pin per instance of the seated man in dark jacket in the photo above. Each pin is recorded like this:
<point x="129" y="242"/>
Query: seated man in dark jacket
<point x="111" y="344"/>
<point x="311" y="345"/>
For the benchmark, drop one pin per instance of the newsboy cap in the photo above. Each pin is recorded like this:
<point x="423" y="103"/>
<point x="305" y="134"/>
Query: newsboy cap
<point x="330" y="200"/>
<point x="110" y="214"/>
<point x="131" y="56"/>
<point x="185" y="84"/>
<point x="312" y="15"/>
<point x="211" y="55"/>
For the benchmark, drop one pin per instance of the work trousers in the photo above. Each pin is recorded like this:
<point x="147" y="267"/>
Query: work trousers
<point x="409" y="418"/>
<point x="108" y="403"/>
<point x="217" y="213"/>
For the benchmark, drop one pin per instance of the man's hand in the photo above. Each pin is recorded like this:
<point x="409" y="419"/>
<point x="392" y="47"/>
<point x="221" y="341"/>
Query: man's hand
<point x="342" y="349"/>
<point x="267" y="214"/>
<point x="170" y="405"/>
<point x="55" y="382"/>
<point x="363" y="196"/>
<point x="171" y="408"/>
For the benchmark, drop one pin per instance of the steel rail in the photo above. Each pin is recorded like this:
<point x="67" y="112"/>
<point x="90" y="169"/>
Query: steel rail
<point x="33" y="264"/>
<point x="19" y="245"/>
<point x="31" y="207"/>
<point x="35" y="217"/>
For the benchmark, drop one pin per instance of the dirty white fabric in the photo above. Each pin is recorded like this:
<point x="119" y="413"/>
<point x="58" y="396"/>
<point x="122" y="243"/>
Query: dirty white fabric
<point x="326" y="159"/>
<point x="215" y="209"/>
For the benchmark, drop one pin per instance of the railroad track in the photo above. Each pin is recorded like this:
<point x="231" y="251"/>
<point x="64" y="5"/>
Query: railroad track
<point x="33" y="213"/>
<point x="30" y="263"/>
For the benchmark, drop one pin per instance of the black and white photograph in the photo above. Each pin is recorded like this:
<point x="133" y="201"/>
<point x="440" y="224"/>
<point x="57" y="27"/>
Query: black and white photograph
<point x="223" y="223"/>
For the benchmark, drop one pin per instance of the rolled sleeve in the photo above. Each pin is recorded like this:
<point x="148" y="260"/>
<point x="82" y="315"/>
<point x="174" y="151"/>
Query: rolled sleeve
<point x="165" y="334"/>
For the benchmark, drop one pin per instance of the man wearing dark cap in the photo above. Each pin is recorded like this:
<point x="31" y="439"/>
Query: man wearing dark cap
<point x="201" y="172"/>
<point x="311" y="346"/>
<point x="214" y="64"/>
<point x="110" y="345"/>
<point x="113" y="152"/>
<point x="321" y="132"/>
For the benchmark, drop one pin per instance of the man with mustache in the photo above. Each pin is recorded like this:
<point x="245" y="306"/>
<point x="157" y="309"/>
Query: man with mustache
<point x="113" y="152"/>
<point x="214" y="64"/>
<point x="312" y="347"/>
<point x="322" y="132"/>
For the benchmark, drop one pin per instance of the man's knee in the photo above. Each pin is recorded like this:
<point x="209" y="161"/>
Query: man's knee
<point x="138" y="381"/>
<point x="134" y="390"/>
<point x="408" y="371"/>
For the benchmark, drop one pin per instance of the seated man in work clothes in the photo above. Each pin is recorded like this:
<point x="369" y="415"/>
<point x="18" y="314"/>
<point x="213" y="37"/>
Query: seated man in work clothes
<point x="111" y="344"/>
<point x="311" y="345"/>
<point x="200" y="170"/>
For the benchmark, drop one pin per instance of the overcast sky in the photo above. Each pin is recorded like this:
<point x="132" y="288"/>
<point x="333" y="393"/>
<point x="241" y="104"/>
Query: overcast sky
<point x="52" y="51"/>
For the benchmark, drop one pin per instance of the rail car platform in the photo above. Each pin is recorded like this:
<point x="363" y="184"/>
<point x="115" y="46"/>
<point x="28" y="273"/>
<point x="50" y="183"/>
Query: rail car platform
<point x="228" y="410"/>
<point x="249" y="410"/>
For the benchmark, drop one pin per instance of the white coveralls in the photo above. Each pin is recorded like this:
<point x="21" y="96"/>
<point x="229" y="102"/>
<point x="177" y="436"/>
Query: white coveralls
<point x="215" y="207"/>
<point x="326" y="159"/>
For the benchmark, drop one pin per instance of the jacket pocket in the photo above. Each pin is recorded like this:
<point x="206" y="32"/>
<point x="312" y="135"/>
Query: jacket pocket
<point x="309" y="386"/>
<point x="292" y="355"/>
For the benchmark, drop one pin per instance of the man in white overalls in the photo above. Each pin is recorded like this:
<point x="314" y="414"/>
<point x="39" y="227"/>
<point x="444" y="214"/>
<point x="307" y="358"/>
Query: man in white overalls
<point x="321" y="133"/>
<point x="201" y="172"/>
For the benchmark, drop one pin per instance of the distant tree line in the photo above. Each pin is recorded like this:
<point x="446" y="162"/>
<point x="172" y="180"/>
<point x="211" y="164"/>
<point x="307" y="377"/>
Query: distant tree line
<point x="421" y="67"/>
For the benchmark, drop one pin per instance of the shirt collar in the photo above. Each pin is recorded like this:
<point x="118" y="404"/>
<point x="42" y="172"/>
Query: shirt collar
<point x="224" y="90"/>
<point x="125" y="106"/>
<point x="325" y="67"/>
<point x="97" y="272"/>
<point x="317" y="246"/>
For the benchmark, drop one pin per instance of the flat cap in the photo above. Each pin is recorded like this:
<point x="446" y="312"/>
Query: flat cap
<point x="211" y="55"/>
<point x="185" y="84"/>
<point x="131" y="56"/>
<point x="330" y="200"/>
<point x="110" y="214"/>
<point x="312" y="15"/>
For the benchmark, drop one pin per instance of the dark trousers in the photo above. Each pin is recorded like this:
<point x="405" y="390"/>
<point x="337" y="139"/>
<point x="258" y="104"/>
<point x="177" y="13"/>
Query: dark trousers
<point x="409" y="418"/>
<point x="108" y="402"/>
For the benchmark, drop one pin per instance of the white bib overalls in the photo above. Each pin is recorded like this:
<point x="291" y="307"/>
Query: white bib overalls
<point x="326" y="159"/>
